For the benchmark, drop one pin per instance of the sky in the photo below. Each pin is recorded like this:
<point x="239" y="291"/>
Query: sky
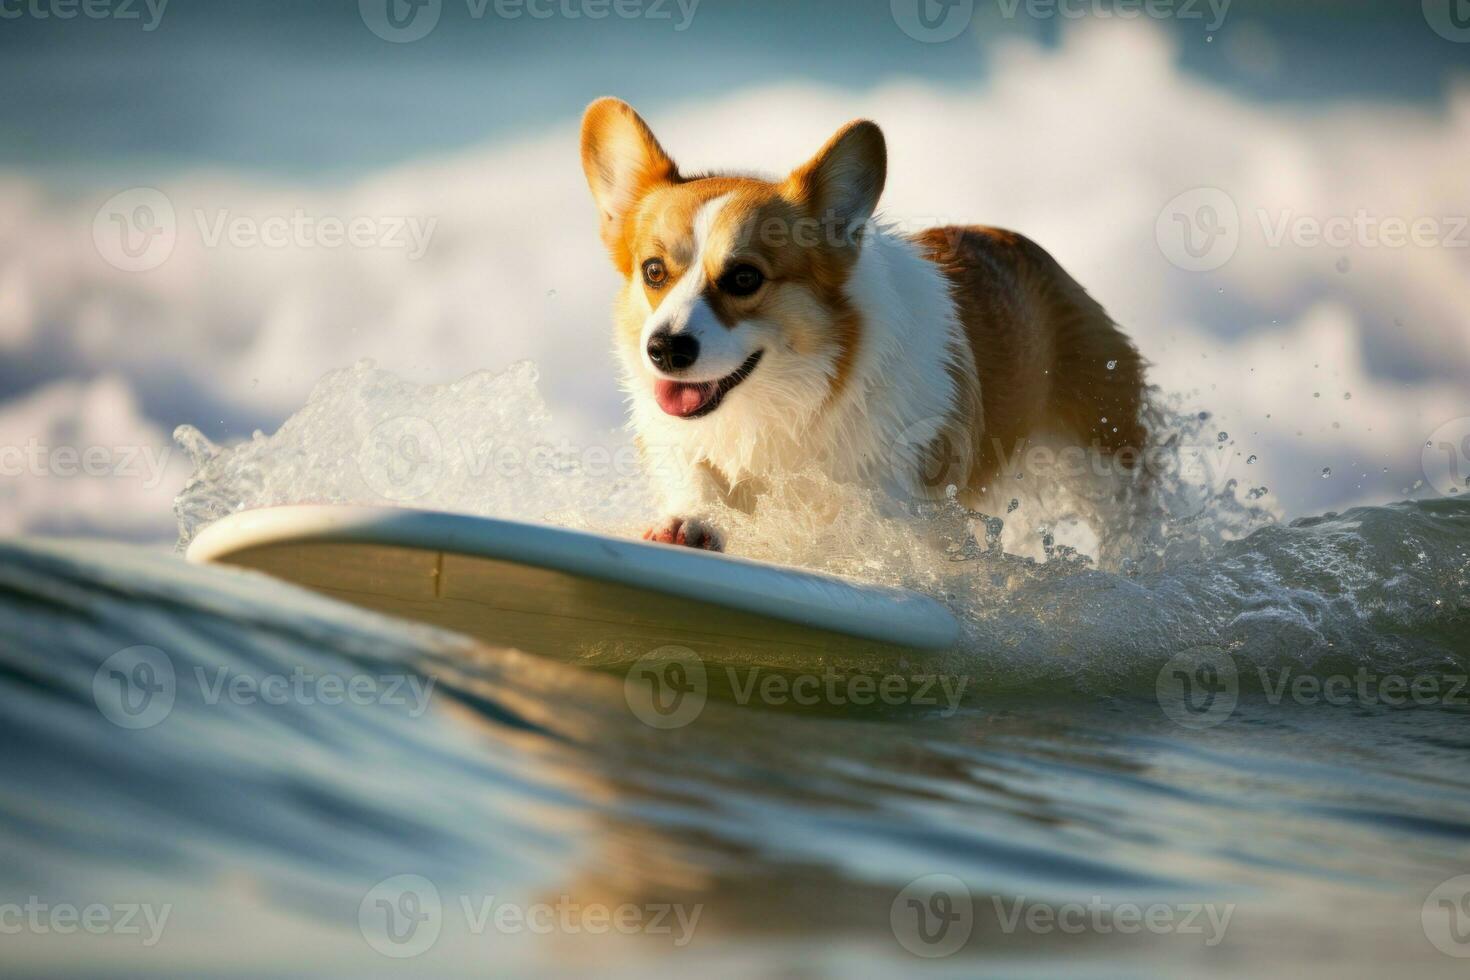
<point x="206" y="207"/>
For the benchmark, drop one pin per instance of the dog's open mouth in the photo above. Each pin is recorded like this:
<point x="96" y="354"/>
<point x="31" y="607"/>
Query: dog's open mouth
<point x="690" y="401"/>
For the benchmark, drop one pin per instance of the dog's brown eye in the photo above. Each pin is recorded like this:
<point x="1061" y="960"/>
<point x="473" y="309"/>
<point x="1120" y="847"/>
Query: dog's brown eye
<point x="655" y="273"/>
<point x="742" y="280"/>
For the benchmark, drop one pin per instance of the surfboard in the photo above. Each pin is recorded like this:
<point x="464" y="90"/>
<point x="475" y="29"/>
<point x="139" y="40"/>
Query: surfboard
<point x="571" y="594"/>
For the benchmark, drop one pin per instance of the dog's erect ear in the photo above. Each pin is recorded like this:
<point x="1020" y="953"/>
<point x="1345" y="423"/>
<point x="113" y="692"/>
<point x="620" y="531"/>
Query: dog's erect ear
<point x="843" y="182"/>
<point x="623" y="161"/>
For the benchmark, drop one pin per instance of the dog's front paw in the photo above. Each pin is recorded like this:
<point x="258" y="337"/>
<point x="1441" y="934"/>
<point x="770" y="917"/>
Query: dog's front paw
<point x="688" y="531"/>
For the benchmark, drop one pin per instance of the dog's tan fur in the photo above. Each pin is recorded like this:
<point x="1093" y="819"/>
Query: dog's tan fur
<point x="1046" y="355"/>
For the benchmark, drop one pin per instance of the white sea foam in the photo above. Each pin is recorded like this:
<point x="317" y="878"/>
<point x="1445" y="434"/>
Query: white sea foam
<point x="483" y="445"/>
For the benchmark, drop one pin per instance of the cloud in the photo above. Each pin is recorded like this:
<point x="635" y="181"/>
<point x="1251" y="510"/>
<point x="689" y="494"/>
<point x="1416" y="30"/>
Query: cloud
<point x="262" y="288"/>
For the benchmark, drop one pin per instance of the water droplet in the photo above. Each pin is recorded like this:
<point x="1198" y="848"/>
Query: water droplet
<point x="1326" y="472"/>
<point x="1013" y="506"/>
<point x="1316" y="394"/>
<point x="1343" y="265"/>
<point x="1347" y="396"/>
<point x="1252" y="460"/>
<point x="1112" y="365"/>
<point x="1222" y="436"/>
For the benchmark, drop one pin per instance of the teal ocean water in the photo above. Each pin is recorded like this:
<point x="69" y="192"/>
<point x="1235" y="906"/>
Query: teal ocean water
<point x="210" y="773"/>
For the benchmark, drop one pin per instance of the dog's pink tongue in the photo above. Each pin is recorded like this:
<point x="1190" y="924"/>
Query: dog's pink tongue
<point x="680" y="399"/>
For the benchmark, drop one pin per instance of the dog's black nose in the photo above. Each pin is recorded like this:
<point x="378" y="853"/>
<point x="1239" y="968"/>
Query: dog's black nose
<point x="672" y="351"/>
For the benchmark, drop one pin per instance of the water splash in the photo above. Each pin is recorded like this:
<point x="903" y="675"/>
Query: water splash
<point x="484" y="445"/>
<point x="487" y="445"/>
<point x="1176" y="557"/>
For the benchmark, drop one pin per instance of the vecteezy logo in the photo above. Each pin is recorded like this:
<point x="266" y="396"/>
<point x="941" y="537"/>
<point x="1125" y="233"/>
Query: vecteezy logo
<point x="400" y="21"/>
<point x="401" y="916"/>
<point x="136" y="231"/>
<point x="934" y="456"/>
<point x="1199" y="230"/>
<point x="1450" y="19"/>
<point x="932" y="21"/>
<point x="1446" y="917"/>
<point x="933" y="916"/>
<point x="667" y="688"/>
<point x="135" y="688"/>
<point x="402" y="458"/>
<point x="1446" y="457"/>
<point x="1199" y="688"/>
<point x="1204" y="465"/>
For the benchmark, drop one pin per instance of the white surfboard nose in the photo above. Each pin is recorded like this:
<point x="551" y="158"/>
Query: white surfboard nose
<point x="554" y="590"/>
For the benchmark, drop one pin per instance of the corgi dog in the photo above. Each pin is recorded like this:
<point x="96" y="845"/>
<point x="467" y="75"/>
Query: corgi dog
<point x="770" y="326"/>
